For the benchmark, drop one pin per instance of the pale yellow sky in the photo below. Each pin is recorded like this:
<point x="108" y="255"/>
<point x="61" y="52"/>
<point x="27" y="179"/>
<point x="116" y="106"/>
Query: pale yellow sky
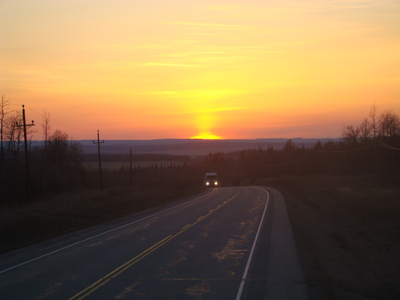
<point x="182" y="69"/>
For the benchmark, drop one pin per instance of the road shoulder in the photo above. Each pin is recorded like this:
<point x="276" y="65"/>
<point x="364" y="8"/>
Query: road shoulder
<point x="285" y="276"/>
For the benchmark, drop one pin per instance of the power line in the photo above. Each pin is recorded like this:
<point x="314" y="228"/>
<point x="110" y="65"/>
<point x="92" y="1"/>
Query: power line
<point x="60" y="123"/>
<point x="387" y="146"/>
<point x="344" y="151"/>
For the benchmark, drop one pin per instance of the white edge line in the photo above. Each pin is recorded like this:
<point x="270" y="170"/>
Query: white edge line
<point x="100" y="234"/>
<point x="246" y="270"/>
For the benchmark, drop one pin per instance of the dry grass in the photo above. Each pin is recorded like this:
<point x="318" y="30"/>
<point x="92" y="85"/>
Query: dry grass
<point x="117" y="165"/>
<point x="348" y="232"/>
<point x="25" y="224"/>
<point x="347" y="228"/>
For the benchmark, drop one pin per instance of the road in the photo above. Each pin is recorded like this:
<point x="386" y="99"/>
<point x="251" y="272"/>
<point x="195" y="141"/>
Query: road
<point x="230" y="243"/>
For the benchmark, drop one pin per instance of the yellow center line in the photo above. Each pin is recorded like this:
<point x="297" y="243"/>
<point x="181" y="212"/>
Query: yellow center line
<point x="99" y="283"/>
<point x="107" y="278"/>
<point x="187" y="226"/>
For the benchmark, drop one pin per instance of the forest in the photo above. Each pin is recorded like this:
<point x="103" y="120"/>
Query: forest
<point x="372" y="147"/>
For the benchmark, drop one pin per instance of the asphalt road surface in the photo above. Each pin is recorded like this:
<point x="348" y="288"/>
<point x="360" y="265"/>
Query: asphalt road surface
<point x="230" y="243"/>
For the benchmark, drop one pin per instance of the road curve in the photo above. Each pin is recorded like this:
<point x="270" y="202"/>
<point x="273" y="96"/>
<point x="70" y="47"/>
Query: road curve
<point x="230" y="243"/>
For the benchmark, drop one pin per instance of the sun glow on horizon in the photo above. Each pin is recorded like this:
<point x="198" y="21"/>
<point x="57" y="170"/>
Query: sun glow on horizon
<point x="206" y="136"/>
<point x="178" y="69"/>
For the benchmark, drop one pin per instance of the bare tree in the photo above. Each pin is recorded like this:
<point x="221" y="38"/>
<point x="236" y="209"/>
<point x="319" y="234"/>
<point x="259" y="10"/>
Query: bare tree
<point x="373" y="117"/>
<point x="62" y="151"/>
<point x="365" y="129"/>
<point x="58" y="146"/>
<point x="389" y="124"/>
<point x="3" y="113"/>
<point x="46" y="128"/>
<point x="350" y="133"/>
<point x="14" y="133"/>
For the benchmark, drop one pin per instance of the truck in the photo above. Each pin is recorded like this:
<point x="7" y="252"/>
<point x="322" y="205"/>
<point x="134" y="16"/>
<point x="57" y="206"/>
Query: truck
<point x="210" y="179"/>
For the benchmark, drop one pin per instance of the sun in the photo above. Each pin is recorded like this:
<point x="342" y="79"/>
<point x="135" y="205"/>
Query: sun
<point x="205" y="121"/>
<point x="206" y="136"/>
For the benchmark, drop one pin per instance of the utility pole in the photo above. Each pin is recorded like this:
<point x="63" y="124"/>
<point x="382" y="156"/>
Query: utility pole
<point x="130" y="166"/>
<point x="380" y="160"/>
<point x="98" y="142"/>
<point x="24" y="125"/>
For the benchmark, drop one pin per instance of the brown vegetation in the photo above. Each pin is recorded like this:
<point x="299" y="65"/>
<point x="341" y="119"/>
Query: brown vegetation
<point x="51" y="216"/>
<point x="124" y="165"/>
<point x="343" y="198"/>
<point x="347" y="229"/>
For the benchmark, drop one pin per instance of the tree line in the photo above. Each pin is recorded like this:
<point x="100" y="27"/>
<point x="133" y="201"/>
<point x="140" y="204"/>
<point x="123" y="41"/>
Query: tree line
<point x="56" y="165"/>
<point x="385" y="125"/>
<point x="376" y="151"/>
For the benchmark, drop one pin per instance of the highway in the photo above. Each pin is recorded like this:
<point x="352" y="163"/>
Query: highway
<point x="228" y="243"/>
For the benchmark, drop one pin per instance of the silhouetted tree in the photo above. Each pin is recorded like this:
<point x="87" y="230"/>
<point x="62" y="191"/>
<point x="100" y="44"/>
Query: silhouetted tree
<point x="46" y="128"/>
<point x="318" y="145"/>
<point x="350" y="133"/>
<point x="61" y="151"/>
<point x="14" y="133"/>
<point x="365" y="129"/>
<point x="3" y="113"/>
<point x="389" y="124"/>
<point x="373" y="117"/>
<point x="289" y="146"/>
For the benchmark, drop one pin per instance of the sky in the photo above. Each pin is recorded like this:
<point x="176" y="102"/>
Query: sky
<point x="237" y="69"/>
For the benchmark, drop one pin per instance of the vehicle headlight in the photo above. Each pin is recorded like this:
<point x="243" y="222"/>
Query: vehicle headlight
<point x="216" y="183"/>
<point x="207" y="183"/>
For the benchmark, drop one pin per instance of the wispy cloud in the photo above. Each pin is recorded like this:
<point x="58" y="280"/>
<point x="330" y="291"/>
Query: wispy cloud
<point x="186" y="54"/>
<point x="162" y="93"/>
<point x="200" y="95"/>
<point x="155" y="64"/>
<point x="219" y="109"/>
<point x="224" y="7"/>
<point x="212" y="25"/>
<point x="342" y="5"/>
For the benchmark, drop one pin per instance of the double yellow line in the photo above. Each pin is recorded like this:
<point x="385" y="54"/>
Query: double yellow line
<point x="90" y="289"/>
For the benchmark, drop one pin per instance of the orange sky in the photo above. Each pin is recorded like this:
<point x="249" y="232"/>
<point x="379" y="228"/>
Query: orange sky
<point x="183" y="69"/>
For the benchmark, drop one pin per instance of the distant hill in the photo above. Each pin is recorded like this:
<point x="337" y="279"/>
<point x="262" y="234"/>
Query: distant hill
<point x="191" y="146"/>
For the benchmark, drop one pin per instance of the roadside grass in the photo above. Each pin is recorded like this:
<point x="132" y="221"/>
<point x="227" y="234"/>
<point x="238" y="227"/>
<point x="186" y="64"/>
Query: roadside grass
<point x="51" y="216"/>
<point x="348" y="234"/>
<point x="347" y="228"/>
